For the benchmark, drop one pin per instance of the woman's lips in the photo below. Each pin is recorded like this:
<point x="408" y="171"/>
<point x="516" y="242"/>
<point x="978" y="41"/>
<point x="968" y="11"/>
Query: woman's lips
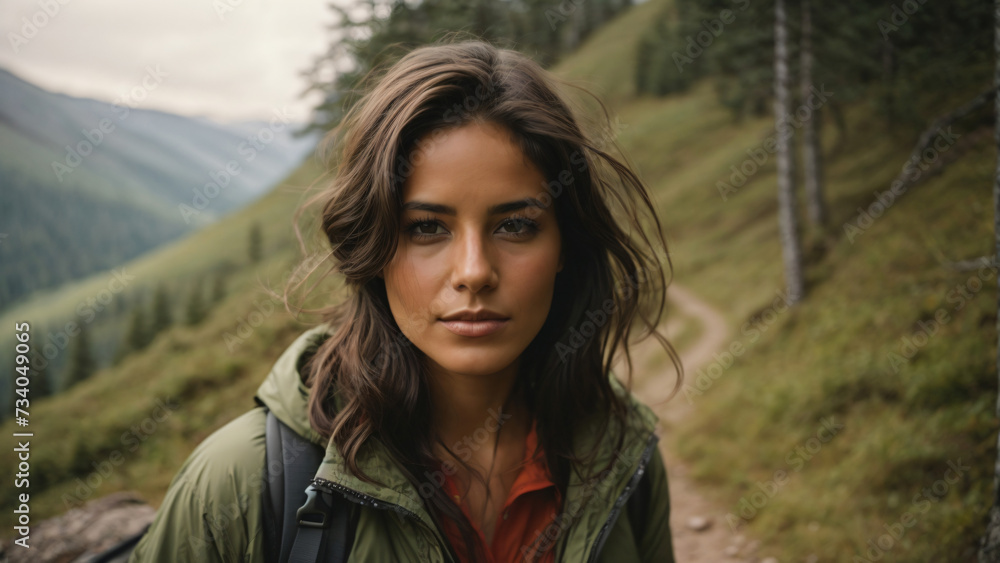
<point x="475" y="328"/>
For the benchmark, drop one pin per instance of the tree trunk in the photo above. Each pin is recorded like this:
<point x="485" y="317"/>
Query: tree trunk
<point x="929" y="135"/>
<point x="990" y="546"/>
<point x="577" y="27"/>
<point x="788" y="221"/>
<point x="812" y="152"/>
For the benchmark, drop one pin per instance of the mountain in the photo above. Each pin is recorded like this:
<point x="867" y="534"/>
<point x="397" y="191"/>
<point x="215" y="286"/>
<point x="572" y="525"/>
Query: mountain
<point x="88" y="185"/>
<point x="870" y="348"/>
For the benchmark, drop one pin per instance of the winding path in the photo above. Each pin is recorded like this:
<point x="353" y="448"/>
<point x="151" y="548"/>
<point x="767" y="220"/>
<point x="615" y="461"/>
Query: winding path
<point x="655" y="378"/>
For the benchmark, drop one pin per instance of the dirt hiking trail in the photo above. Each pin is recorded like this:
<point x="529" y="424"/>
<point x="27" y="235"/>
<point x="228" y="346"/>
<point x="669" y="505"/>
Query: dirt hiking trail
<point x="699" y="528"/>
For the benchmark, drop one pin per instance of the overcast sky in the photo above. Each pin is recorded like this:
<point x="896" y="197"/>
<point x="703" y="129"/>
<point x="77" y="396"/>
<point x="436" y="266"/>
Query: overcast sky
<point x="223" y="59"/>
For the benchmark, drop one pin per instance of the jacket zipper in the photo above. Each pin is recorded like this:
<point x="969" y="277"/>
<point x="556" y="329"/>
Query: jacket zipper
<point x="633" y="482"/>
<point x="368" y="500"/>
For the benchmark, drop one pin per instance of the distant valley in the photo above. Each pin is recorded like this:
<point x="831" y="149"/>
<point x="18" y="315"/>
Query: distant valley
<point x="86" y="185"/>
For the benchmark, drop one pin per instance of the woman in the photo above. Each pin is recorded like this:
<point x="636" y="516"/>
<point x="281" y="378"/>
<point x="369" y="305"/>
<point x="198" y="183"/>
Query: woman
<point x="465" y="388"/>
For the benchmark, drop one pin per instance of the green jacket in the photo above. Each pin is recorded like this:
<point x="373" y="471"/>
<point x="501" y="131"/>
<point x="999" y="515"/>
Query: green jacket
<point x="212" y="509"/>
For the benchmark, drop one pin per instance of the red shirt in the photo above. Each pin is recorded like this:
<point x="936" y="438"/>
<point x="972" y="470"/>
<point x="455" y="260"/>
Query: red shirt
<point x="531" y="507"/>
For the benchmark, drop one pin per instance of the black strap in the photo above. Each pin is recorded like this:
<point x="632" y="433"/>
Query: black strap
<point x="309" y="519"/>
<point x="637" y="506"/>
<point x="322" y="528"/>
<point x="274" y="489"/>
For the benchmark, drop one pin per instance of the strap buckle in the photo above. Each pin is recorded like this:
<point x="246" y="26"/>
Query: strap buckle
<point x="316" y="510"/>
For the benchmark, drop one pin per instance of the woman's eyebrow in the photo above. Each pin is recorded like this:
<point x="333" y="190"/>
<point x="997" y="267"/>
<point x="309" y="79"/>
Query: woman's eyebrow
<point x="493" y="210"/>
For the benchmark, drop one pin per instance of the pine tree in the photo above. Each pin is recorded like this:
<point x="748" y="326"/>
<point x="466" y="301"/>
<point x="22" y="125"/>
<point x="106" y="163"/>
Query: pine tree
<point x="137" y="336"/>
<point x="195" y="311"/>
<point x="666" y="62"/>
<point x="256" y="243"/>
<point x="41" y="367"/>
<point x="812" y="150"/>
<point x="81" y="362"/>
<point x="40" y="386"/>
<point x="161" y="312"/>
<point x="218" y="287"/>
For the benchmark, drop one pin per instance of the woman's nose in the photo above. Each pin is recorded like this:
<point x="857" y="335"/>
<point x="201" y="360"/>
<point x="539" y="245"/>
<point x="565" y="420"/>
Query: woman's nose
<point x="473" y="264"/>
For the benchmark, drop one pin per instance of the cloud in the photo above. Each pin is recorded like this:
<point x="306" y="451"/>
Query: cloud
<point x="225" y="65"/>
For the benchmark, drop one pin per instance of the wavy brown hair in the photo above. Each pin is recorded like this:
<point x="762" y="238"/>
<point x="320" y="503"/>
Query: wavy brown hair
<point x="611" y="266"/>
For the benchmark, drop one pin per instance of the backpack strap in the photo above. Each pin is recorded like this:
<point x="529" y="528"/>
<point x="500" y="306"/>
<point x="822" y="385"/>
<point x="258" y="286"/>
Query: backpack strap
<point x="323" y="523"/>
<point x="637" y="506"/>
<point x="293" y="532"/>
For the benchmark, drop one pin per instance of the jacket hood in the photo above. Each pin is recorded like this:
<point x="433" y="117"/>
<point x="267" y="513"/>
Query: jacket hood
<point x="283" y="391"/>
<point x="588" y="503"/>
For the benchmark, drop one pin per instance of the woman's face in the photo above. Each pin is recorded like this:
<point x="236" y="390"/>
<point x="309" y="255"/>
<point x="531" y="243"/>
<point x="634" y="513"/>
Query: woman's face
<point x="475" y="234"/>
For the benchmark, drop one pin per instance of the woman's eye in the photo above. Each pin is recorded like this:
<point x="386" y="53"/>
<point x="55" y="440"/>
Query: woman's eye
<point x="427" y="228"/>
<point x="422" y="227"/>
<point x="519" y="226"/>
<point x="513" y="225"/>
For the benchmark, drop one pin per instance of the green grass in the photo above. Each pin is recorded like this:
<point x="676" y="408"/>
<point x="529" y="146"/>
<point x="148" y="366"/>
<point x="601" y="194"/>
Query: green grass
<point x="829" y="357"/>
<point x="101" y="421"/>
<point x="598" y="64"/>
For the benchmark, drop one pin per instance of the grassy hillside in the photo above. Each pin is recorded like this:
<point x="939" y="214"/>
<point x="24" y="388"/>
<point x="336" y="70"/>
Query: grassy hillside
<point x="915" y="395"/>
<point x="112" y="417"/>
<point x="844" y="355"/>
<point x="756" y="437"/>
<point x="832" y="357"/>
<point x="221" y="247"/>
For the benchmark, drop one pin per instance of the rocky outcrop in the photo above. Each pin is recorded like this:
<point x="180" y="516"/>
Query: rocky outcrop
<point x="78" y="535"/>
